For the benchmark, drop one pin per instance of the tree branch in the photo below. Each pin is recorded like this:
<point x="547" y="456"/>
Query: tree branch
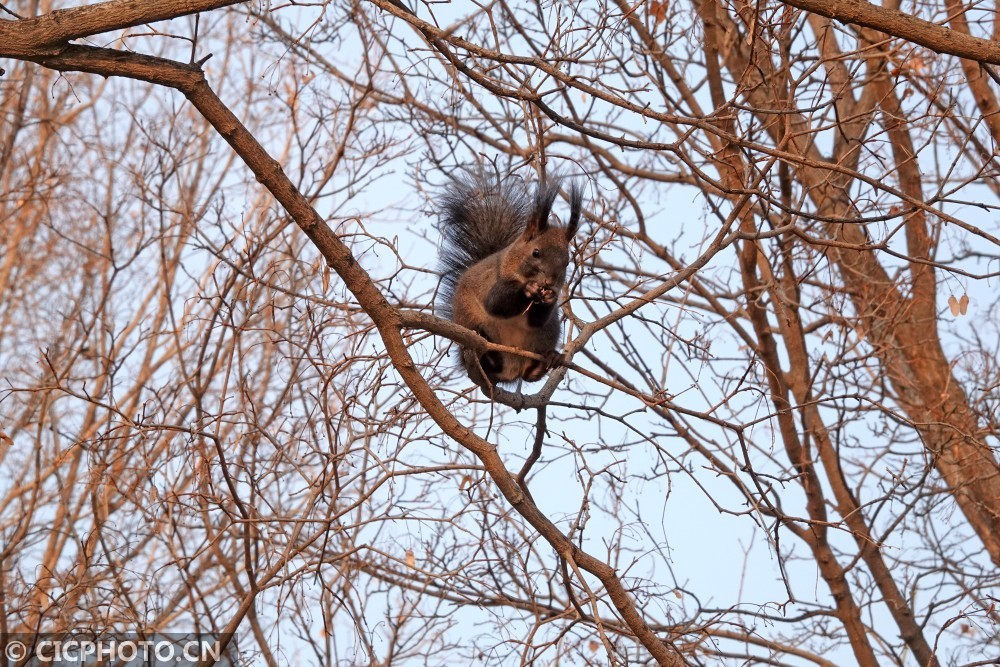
<point x="893" y="22"/>
<point x="45" y="34"/>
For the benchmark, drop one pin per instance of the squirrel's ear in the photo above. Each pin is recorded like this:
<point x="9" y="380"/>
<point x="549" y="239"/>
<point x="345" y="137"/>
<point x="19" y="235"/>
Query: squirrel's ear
<point x="575" y="206"/>
<point x="538" y="221"/>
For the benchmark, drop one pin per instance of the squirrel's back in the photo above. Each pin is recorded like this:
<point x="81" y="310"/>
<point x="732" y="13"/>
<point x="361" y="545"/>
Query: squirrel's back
<point x="481" y="214"/>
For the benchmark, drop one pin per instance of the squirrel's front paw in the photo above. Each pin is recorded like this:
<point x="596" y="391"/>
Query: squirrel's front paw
<point x="546" y="295"/>
<point x="536" y="292"/>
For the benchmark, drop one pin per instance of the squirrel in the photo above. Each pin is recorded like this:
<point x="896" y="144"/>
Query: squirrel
<point x="503" y="267"/>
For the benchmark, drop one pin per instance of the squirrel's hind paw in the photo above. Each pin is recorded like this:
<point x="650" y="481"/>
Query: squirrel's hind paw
<point x="536" y="370"/>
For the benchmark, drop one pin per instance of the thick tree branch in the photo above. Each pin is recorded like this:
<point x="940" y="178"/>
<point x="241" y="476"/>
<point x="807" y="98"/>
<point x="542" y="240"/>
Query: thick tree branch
<point x="44" y="34"/>
<point x="905" y="26"/>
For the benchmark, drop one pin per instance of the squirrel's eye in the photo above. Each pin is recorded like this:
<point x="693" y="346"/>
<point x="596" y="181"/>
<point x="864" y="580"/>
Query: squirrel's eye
<point x="537" y="252"/>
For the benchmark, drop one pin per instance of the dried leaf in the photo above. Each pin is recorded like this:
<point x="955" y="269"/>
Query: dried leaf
<point x="593" y="646"/>
<point x="658" y="10"/>
<point x="410" y="558"/>
<point x="202" y="473"/>
<point x="953" y="304"/>
<point x="101" y="504"/>
<point x="963" y="304"/>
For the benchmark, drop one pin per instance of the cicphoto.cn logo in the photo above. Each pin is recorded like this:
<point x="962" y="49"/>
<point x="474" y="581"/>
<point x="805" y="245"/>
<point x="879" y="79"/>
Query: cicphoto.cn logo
<point x="159" y="649"/>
